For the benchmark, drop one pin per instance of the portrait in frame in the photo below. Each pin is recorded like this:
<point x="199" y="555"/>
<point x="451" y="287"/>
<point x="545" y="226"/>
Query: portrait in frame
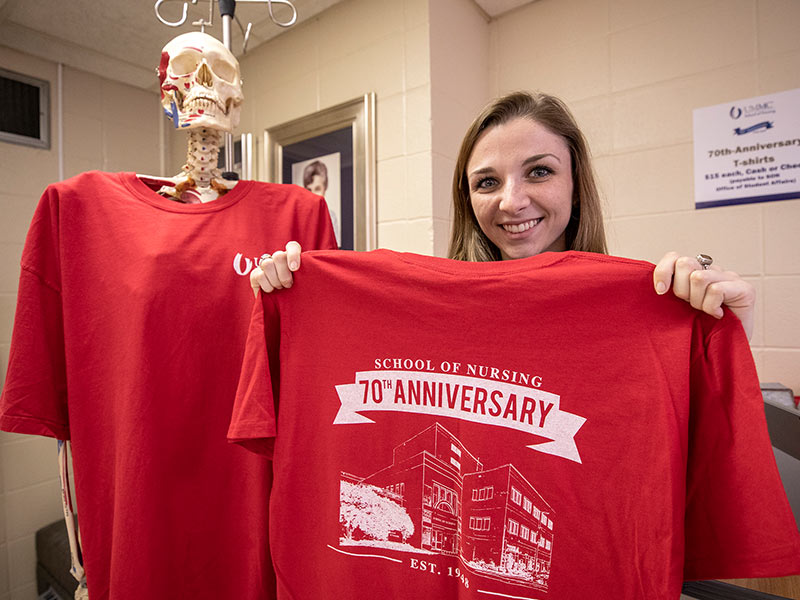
<point x="332" y="153"/>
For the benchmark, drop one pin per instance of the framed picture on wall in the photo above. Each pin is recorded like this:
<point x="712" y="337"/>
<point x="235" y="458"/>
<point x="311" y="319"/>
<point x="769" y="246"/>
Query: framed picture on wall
<point x="332" y="153"/>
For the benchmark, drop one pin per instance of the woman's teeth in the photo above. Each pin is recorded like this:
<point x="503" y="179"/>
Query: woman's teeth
<point x="519" y="228"/>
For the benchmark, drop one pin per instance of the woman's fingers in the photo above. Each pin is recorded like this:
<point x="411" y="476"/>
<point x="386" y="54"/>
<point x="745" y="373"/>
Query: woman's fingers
<point x="293" y="250"/>
<point x="662" y="275"/>
<point x="275" y="271"/>
<point x="259" y="281"/>
<point x="706" y="289"/>
<point x="685" y="267"/>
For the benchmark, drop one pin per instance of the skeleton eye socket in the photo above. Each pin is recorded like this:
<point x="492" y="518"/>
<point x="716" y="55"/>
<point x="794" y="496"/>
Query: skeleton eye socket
<point x="185" y="63"/>
<point x="224" y="70"/>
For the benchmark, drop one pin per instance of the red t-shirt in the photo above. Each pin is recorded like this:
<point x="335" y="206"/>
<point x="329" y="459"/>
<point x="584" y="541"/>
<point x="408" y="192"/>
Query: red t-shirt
<point x="128" y="340"/>
<point x="538" y="428"/>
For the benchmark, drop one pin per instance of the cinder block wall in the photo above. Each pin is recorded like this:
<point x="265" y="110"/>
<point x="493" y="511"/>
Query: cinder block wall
<point x="632" y="71"/>
<point x="106" y="125"/>
<point x="352" y="48"/>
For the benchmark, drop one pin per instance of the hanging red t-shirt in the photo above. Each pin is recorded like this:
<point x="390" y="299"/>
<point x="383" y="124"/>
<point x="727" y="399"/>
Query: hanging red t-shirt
<point x="537" y="428"/>
<point x="129" y="334"/>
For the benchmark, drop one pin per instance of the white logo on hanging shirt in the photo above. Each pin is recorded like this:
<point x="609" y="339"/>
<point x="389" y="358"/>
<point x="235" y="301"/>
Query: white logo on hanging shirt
<point x="244" y="264"/>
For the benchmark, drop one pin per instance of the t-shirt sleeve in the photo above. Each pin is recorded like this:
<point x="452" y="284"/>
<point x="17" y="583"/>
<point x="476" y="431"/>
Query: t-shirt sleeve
<point x="738" y="521"/>
<point x="34" y="399"/>
<point x="254" y="419"/>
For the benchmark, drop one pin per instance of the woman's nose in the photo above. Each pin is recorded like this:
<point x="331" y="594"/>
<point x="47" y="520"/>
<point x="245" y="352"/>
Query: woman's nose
<point x="514" y="197"/>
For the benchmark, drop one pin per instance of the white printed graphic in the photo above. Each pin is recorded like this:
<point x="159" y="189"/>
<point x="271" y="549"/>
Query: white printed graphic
<point x="436" y="498"/>
<point x="242" y="265"/>
<point x="467" y="398"/>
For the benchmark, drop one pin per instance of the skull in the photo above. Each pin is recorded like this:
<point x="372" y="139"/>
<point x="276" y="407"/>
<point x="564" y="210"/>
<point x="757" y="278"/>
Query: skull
<point x="200" y="83"/>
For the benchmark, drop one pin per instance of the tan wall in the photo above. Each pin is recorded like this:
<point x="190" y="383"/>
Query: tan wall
<point x="356" y="47"/>
<point x="632" y="71"/>
<point x="105" y="126"/>
<point x="459" y="49"/>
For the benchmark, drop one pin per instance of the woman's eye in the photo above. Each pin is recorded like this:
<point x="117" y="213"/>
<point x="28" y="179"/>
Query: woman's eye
<point x="485" y="183"/>
<point x="541" y="171"/>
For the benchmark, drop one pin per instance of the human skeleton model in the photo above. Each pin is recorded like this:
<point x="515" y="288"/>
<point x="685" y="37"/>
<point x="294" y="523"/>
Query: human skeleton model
<point x="201" y="91"/>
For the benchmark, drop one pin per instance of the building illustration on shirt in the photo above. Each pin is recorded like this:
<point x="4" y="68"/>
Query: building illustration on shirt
<point x="436" y="497"/>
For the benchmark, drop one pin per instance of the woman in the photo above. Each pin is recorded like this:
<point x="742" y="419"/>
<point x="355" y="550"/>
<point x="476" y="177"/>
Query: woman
<point x="523" y="184"/>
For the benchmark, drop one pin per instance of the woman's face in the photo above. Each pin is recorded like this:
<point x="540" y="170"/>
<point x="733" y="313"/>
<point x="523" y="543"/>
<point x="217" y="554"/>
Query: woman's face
<point x="520" y="182"/>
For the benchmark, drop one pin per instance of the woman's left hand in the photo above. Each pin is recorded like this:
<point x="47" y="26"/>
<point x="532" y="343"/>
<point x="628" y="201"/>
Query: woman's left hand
<point x="706" y="289"/>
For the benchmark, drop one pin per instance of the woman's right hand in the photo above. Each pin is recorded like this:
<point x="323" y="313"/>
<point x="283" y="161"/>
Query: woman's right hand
<point x="275" y="271"/>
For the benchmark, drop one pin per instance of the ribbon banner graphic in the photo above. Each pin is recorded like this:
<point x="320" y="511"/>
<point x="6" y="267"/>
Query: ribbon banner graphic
<point x="467" y="398"/>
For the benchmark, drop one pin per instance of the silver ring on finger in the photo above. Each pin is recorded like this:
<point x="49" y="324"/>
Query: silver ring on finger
<point x="705" y="260"/>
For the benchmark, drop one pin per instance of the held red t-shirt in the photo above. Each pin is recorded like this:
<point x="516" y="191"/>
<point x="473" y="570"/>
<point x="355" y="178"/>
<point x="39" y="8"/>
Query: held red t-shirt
<point x="128" y="340"/>
<point x="538" y="428"/>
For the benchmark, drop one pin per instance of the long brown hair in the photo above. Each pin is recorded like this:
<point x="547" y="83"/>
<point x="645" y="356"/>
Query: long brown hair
<point x="585" y="229"/>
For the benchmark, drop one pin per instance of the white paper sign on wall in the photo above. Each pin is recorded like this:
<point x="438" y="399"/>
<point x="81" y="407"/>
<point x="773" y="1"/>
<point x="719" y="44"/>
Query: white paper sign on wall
<point x="747" y="151"/>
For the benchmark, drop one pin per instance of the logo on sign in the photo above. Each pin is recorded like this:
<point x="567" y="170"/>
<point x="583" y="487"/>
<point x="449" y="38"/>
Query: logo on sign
<point x="752" y="110"/>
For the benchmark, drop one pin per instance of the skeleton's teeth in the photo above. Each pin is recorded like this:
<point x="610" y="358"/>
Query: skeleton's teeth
<point x="201" y="103"/>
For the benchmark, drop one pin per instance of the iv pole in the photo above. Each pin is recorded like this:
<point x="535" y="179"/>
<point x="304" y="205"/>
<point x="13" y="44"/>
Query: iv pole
<point x="227" y="10"/>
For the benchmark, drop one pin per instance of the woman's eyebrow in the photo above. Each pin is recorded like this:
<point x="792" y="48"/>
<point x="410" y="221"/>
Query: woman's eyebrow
<point x="481" y="171"/>
<point x="538" y="157"/>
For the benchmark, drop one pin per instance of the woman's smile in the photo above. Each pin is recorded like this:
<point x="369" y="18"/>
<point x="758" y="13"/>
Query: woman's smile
<point x="521" y="227"/>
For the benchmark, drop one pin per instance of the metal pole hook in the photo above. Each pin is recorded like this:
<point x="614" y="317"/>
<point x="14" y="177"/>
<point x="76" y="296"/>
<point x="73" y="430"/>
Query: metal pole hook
<point x="171" y="23"/>
<point x="288" y="3"/>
